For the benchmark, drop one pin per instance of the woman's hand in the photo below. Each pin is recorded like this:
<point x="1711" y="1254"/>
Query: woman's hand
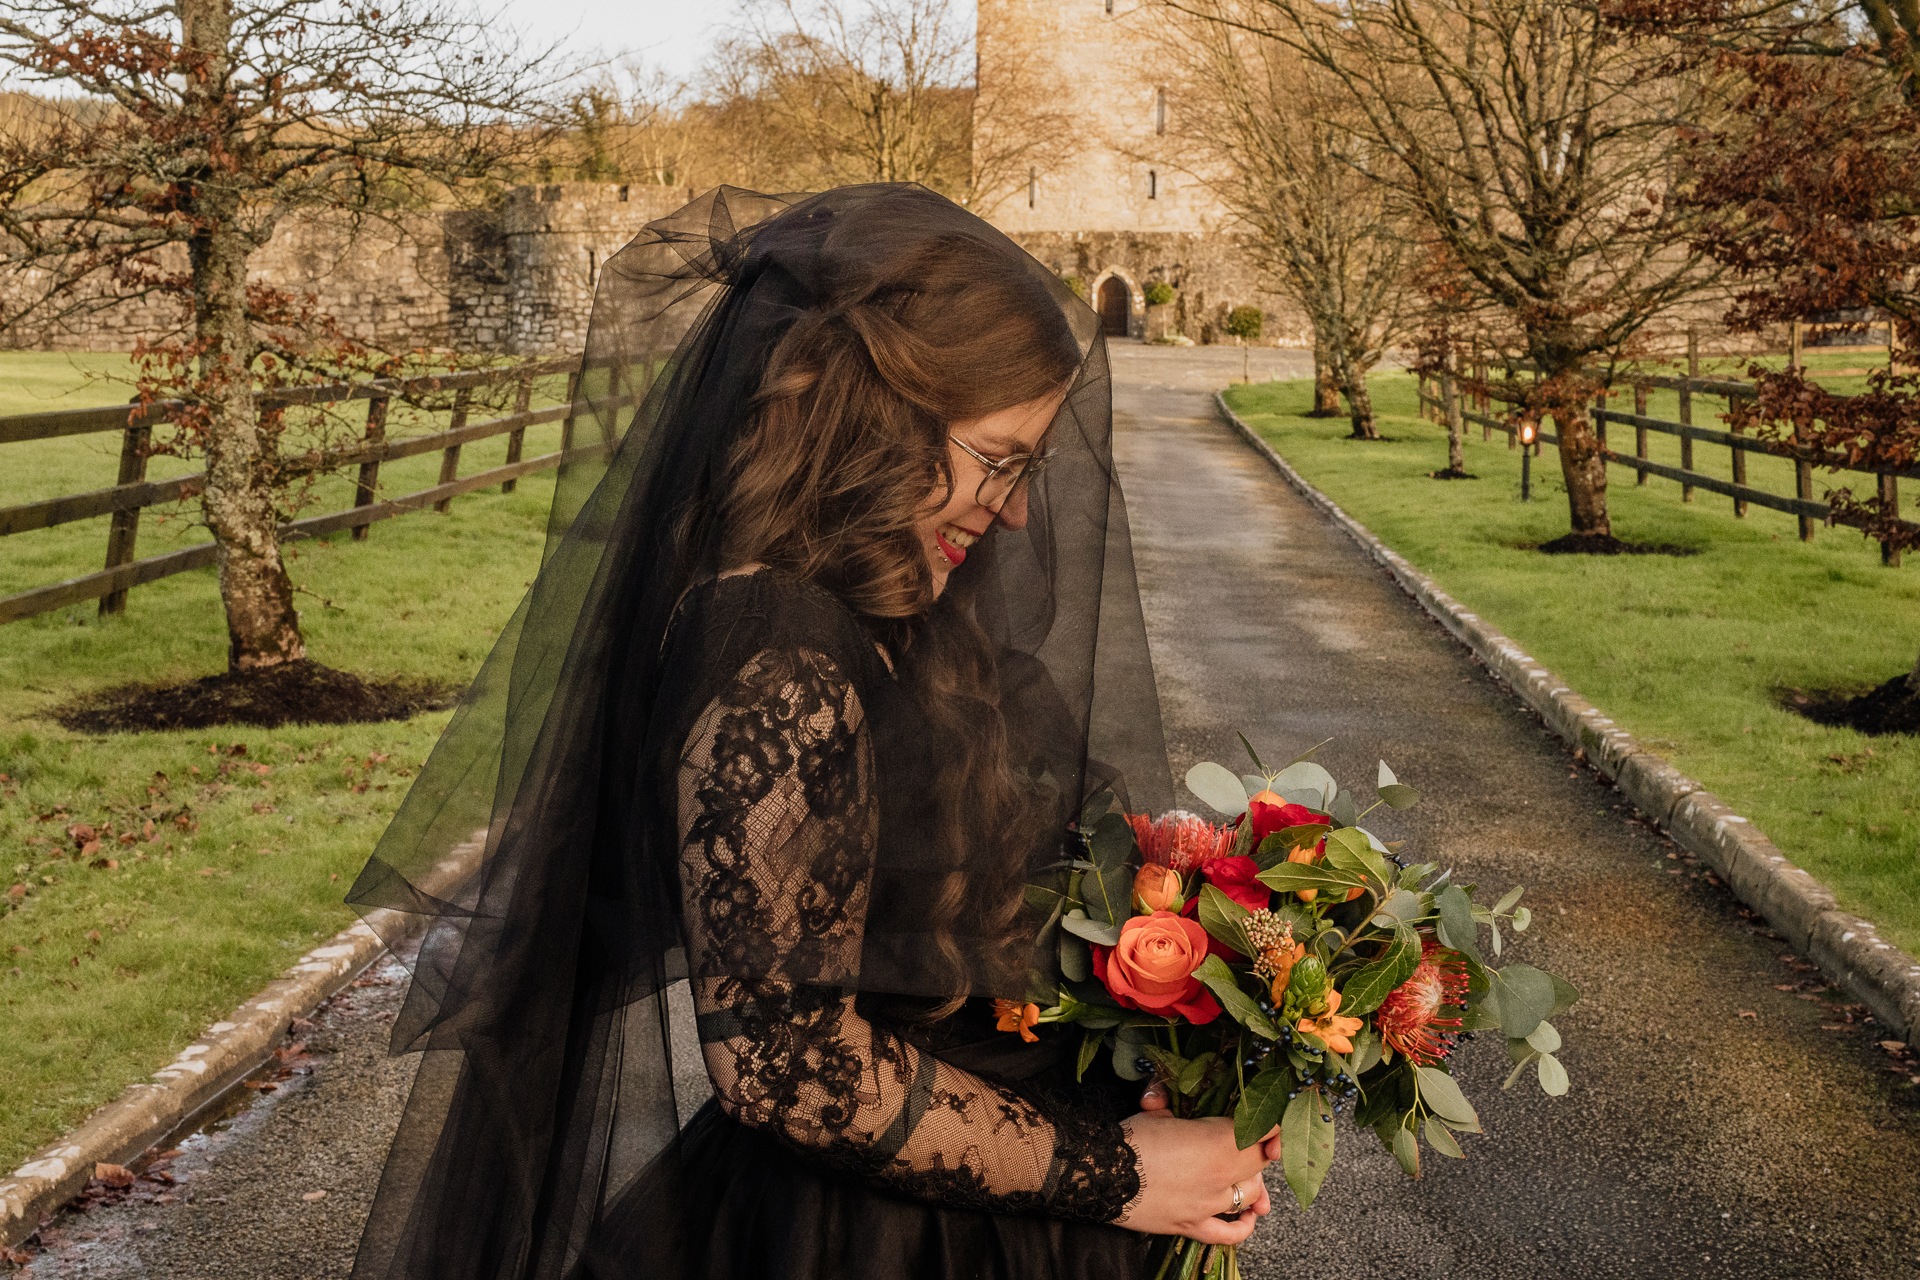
<point x="1188" y="1172"/>
<point x="1154" y="1098"/>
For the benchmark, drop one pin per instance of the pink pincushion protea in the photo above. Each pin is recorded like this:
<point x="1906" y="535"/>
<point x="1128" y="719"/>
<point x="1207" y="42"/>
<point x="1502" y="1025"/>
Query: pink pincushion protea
<point x="1180" y="840"/>
<point x="1409" y="1016"/>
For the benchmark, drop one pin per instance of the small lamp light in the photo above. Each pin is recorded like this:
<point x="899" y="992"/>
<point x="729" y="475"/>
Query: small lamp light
<point x="1528" y="430"/>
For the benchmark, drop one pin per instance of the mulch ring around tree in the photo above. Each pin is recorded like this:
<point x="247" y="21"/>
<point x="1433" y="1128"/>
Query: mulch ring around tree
<point x="1451" y="474"/>
<point x="1605" y="544"/>
<point x="1892" y="708"/>
<point x="301" y="692"/>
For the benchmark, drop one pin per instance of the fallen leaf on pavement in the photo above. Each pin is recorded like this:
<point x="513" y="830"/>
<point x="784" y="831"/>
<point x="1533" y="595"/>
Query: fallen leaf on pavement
<point x="113" y="1175"/>
<point x="314" y="1195"/>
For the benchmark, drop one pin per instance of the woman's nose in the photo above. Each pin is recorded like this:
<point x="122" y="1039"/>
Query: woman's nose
<point x="1013" y="508"/>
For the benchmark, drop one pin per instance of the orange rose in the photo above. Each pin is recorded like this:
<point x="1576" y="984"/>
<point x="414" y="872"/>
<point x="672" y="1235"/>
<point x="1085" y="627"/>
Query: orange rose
<point x="1157" y="889"/>
<point x="1151" y="967"/>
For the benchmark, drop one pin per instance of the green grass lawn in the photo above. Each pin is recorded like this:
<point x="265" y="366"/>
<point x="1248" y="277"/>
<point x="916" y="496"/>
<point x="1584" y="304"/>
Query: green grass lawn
<point x="106" y="973"/>
<point x="1690" y="654"/>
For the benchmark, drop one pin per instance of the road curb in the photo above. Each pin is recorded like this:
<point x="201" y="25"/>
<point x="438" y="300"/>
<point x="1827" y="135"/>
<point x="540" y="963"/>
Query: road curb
<point x="147" y="1111"/>
<point x="1848" y="950"/>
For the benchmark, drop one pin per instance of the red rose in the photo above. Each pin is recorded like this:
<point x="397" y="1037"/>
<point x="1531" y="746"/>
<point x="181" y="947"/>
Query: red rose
<point x="1269" y="813"/>
<point x="1238" y="879"/>
<point x="1151" y="967"/>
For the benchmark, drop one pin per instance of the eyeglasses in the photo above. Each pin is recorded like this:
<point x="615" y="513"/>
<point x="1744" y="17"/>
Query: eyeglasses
<point x="1004" y="476"/>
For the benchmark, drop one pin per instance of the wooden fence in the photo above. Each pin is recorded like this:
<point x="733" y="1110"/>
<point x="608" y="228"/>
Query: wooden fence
<point x="132" y="491"/>
<point x="1811" y="513"/>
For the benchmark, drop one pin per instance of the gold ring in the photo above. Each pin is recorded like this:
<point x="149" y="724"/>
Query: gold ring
<point x="1239" y="1198"/>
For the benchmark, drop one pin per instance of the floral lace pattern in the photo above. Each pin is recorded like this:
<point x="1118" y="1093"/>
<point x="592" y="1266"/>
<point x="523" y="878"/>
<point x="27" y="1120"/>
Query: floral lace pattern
<point x="779" y="827"/>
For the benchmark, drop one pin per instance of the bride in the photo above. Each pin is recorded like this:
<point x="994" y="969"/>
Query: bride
<point x="836" y="634"/>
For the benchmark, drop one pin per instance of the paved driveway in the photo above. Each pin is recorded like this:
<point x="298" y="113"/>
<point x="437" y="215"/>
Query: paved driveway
<point x="1714" y="1129"/>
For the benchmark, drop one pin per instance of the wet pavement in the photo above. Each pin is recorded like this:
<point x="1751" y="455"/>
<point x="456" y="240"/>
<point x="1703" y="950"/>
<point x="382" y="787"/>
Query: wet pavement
<point x="1715" y="1128"/>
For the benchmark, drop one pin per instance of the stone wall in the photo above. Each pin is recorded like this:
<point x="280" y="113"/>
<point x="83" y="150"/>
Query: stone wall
<point x="517" y="277"/>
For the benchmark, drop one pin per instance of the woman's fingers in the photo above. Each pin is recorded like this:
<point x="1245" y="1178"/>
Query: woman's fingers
<point x="1222" y="1230"/>
<point x="1154" y="1097"/>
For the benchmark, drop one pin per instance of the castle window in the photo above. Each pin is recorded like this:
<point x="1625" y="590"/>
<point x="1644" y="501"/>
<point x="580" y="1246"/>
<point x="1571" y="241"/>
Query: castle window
<point x="1033" y="187"/>
<point x="623" y="195"/>
<point x="1153" y="184"/>
<point x="1109" y="7"/>
<point x="1160" y="111"/>
<point x="593" y="265"/>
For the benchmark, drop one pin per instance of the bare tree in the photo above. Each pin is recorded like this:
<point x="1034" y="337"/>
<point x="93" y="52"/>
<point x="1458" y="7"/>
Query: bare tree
<point x="638" y="123"/>
<point x="216" y="120"/>
<point x="1273" y="137"/>
<point x="1537" y="147"/>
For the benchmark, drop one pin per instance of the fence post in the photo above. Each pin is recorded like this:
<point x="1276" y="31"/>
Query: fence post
<point x="1793" y="345"/>
<point x="1739" y="454"/>
<point x="125" y="529"/>
<point x="450" y="456"/>
<point x="1640" y="432"/>
<point x="369" y="482"/>
<point x="522" y="398"/>
<point x="1890" y="505"/>
<point x="1686" y="411"/>
<point x="1481" y="402"/>
<point x="566" y="424"/>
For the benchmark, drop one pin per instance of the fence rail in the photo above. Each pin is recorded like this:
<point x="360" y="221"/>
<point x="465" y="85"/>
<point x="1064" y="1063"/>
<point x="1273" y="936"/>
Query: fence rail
<point x="133" y="492"/>
<point x="1810" y="511"/>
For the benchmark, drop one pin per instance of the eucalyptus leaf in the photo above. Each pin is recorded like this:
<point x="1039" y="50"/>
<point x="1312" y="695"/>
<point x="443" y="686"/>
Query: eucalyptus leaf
<point x="1097" y="808"/>
<point x="1443" y="1096"/>
<point x="1507" y="900"/>
<point x="1220" y="980"/>
<point x="1129" y="1044"/>
<point x="1386" y="776"/>
<point x="1553" y="1076"/>
<point x="1251" y="753"/>
<point x="1399" y="796"/>
<point x="1406" y="1149"/>
<point x="1545" y="1038"/>
<point x="1441" y="1140"/>
<point x="1218" y="788"/>
<point x="1526" y="998"/>
<point x="1455" y="927"/>
<point x="1076" y="962"/>
<point x="1041" y="898"/>
<point x="1342" y="809"/>
<point x="1565" y="995"/>
<point x="1253" y="783"/>
<point x="1112" y="843"/>
<point x="1496" y="937"/>
<point x="1518" y="1067"/>
<point x="1261" y="1106"/>
<point x="1304" y="756"/>
<point x="1401" y="907"/>
<point x="1376" y="980"/>
<point x="1521" y="919"/>
<point x="1077" y="923"/>
<point x="1304" y="775"/>
<point x="1306" y="1144"/>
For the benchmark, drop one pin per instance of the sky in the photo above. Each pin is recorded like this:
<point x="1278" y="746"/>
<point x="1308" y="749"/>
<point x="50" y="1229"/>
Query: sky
<point x="670" y="34"/>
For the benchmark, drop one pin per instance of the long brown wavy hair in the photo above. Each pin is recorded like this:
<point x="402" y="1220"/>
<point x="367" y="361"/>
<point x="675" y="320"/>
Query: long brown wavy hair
<point x="844" y="456"/>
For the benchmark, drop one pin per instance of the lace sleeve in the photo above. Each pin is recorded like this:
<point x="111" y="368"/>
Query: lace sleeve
<point x="779" y="830"/>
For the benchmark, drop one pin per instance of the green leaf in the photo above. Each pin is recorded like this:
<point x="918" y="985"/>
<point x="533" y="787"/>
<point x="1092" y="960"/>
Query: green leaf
<point x="1253" y="784"/>
<point x="1518" y="1067"/>
<point x="1306" y="1144"/>
<point x="1506" y="902"/>
<point x="1495" y="929"/>
<point x="1455" y="927"/>
<point x="1399" y="796"/>
<point x="1443" y="1096"/>
<point x="1076" y="923"/>
<point x="1299" y="875"/>
<point x="1261" y="1106"/>
<point x="1305" y="776"/>
<point x="1406" y="1149"/>
<point x="1342" y="810"/>
<point x="1545" y="1038"/>
<point x="1349" y="849"/>
<point x="1041" y="898"/>
<point x="1129" y="1043"/>
<point x="1366" y="1051"/>
<point x="1089" y="1050"/>
<point x="1386" y="776"/>
<point x="1376" y="980"/>
<point x="1226" y="988"/>
<point x="1526" y="998"/>
<point x="1222" y="918"/>
<point x="1306" y="755"/>
<point x="1112" y="842"/>
<point x="1401" y="907"/>
<point x="1251" y="754"/>
<point x="1553" y="1076"/>
<point x="1441" y="1140"/>
<point x="1565" y="995"/>
<point x="1076" y="962"/>
<point x="1217" y="788"/>
<point x="1194" y="1073"/>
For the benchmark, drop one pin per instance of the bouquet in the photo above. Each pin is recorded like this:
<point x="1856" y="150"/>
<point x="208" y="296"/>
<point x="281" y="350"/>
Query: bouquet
<point x="1283" y="967"/>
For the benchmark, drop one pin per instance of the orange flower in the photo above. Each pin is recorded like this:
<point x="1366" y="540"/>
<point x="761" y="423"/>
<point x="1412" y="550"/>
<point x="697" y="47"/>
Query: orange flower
<point x="1311" y="856"/>
<point x="1157" y="888"/>
<point x="1179" y="839"/>
<point x="1331" y="1029"/>
<point x="1410" y="1014"/>
<point x="1014" y="1016"/>
<point x="1281" y="960"/>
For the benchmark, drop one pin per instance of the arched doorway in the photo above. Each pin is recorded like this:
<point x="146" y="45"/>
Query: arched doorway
<point x="1114" y="307"/>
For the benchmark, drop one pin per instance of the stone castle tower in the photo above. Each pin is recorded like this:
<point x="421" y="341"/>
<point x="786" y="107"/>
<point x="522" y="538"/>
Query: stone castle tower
<point x="1118" y="213"/>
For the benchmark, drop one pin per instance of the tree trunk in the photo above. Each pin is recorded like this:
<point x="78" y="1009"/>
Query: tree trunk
<point x="1585" y="473"/>
<point x="263" y="629"/>
<point x="1456" y="430"/>
<point x="1326" y="392"/>
<point x="1360" y="408"/>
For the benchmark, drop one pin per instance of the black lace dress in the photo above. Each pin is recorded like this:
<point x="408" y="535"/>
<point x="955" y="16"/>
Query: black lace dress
<point x="847" y="1137"/>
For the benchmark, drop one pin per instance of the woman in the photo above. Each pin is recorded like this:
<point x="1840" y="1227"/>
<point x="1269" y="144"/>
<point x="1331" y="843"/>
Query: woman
<point x="804" y="692"/>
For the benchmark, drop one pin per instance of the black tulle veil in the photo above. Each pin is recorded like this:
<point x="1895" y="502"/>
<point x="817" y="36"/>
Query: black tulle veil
<point x="530" y="863"/>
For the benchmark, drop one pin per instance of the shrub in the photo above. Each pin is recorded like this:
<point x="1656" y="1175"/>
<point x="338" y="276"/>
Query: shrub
<point x="1245" y="322"/>
<point x="1076" y="284"/>
<point x="1159" y="293"/>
